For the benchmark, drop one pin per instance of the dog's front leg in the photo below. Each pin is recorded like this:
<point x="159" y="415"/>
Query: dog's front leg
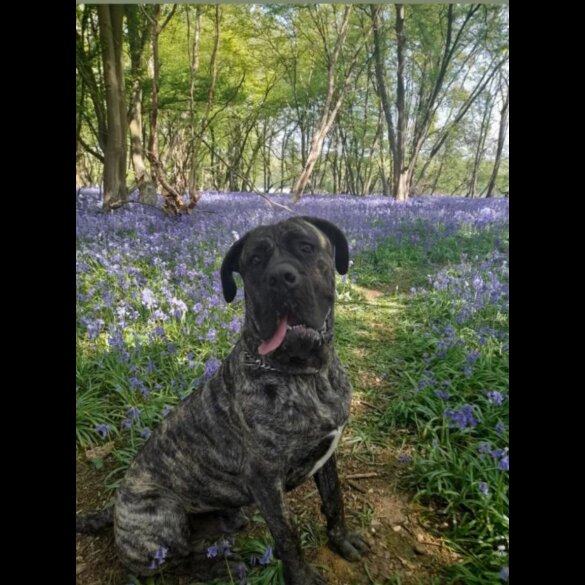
<point x="346" y="543"/>
<point x="268" y="495"/>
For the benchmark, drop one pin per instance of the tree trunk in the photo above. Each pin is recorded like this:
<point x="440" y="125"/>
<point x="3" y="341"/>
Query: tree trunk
<point x="501" y="140"/>
<point x="110" y="23"/>
<point x="197" y="138"/>
<point x="137" y="37"/>
<point x="480" y="150"/>
<point x="173" y="199"/>
<point x="402" y="175"/>
<point x="383" y="92"/>
<point x="403" y="163"/>
<point x="87" y="73"/>
<point x="331" y="106"/>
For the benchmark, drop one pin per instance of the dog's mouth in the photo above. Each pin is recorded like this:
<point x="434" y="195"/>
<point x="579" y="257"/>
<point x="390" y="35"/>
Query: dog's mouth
<point x="288" y="328"/>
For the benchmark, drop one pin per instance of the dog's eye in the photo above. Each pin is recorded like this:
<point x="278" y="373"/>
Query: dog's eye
<point x="255" y="260"/>
<point x="307" y="248"/>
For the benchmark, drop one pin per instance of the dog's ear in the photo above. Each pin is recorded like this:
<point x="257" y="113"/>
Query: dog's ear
<point x="337" y="238"/>
<point x="231" y="264"/>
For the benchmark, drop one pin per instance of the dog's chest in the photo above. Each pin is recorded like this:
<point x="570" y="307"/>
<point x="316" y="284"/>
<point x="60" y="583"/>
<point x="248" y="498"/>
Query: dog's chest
<point x="298" y="422"/>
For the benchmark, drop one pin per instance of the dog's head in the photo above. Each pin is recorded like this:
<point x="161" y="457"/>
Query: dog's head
<point x="288" y="271"/>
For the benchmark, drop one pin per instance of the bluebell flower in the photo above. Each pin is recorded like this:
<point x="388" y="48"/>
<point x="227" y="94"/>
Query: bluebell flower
<point x="241" y="574"/>
<point x="211" y="366"/>
<point x="103" y="430"/>
<point x="495" y="397"/>
<point x="462" y="417"/>
<point x="133" y="412"/>
<point x="148" y="299"/>
<point x="266" y="558"/>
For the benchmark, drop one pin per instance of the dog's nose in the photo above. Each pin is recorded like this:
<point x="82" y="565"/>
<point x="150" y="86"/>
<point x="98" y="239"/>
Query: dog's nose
<point x="284" y="276"/>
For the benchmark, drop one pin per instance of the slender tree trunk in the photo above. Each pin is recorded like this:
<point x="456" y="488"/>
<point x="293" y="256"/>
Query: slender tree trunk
<point x="90" y="78"/>
<point x="439" y="171"/>
<point x="402" y="172"/>
<point x="383" y="92"/>
<point x="110" y="23"/>
<point x="173" y="199"/>
<point x="479" y="151"/>
<point x="501" y="140"/>
<point x="137" y="37"/>
<point x="194" y="193"/>
<point x="285" y="140"/>
<point x="330" y="108"/>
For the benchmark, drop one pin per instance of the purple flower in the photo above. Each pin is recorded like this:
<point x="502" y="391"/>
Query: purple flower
<point x="483" y="488"/>
<point x="484" y="448"/>
<point x="179" y="307"/>
<point x="158" y="315"/>
<point x="462" y="417"/>
<point x="505" y="574"/>
<point x="161" y="554"/>
<point x="266" y="558"/>
<point x="103" y="430"/>
<point x="442" y="394"/>
<point x="145" y="433"/>
<point x="159" y="557"/>
<point x="495" y="397"/>
<point x="500" y="428"/>
<point x="133" y="412"/>
<point x="166" y="410"/>
<point x="241" y="573"/>
<point x="126" y="423"/>
<point x="148" y="299"/>
<point x="211" y="366"/>
<point x="504" y="464"/>
<point x="223" y="548"/>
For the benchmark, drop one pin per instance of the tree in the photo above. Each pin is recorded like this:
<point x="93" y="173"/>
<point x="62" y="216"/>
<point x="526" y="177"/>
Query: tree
<point x="110" y="18"/>
<point x="138" y="36"/>
<point x="501" y="134"/>
<point x="304" y="98"/>
<point x="444" y="44"/>
<point x="335" y="91"/>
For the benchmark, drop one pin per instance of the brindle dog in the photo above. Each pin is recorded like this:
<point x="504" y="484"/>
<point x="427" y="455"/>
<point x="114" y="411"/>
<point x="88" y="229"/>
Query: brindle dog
<point x="269" y="419"/>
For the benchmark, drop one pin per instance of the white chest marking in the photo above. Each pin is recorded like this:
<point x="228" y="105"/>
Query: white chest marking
<point x="336" y="434"/>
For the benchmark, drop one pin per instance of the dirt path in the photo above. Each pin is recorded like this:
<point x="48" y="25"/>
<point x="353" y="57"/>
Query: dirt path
<point x="405" y="548"/>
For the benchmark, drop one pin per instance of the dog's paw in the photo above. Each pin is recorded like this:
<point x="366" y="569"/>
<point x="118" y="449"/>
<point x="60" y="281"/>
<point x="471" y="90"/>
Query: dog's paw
<point x="350" y="545"/>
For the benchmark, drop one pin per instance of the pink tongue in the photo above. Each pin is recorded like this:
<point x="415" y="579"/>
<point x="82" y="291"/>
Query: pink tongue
<point x="276" y="339"/>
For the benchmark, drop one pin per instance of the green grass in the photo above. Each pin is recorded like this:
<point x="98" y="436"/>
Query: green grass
<point x="398" y="337"/>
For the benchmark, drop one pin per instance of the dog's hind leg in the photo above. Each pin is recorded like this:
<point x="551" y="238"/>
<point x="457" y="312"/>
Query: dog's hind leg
<point x="151" y="530"/>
